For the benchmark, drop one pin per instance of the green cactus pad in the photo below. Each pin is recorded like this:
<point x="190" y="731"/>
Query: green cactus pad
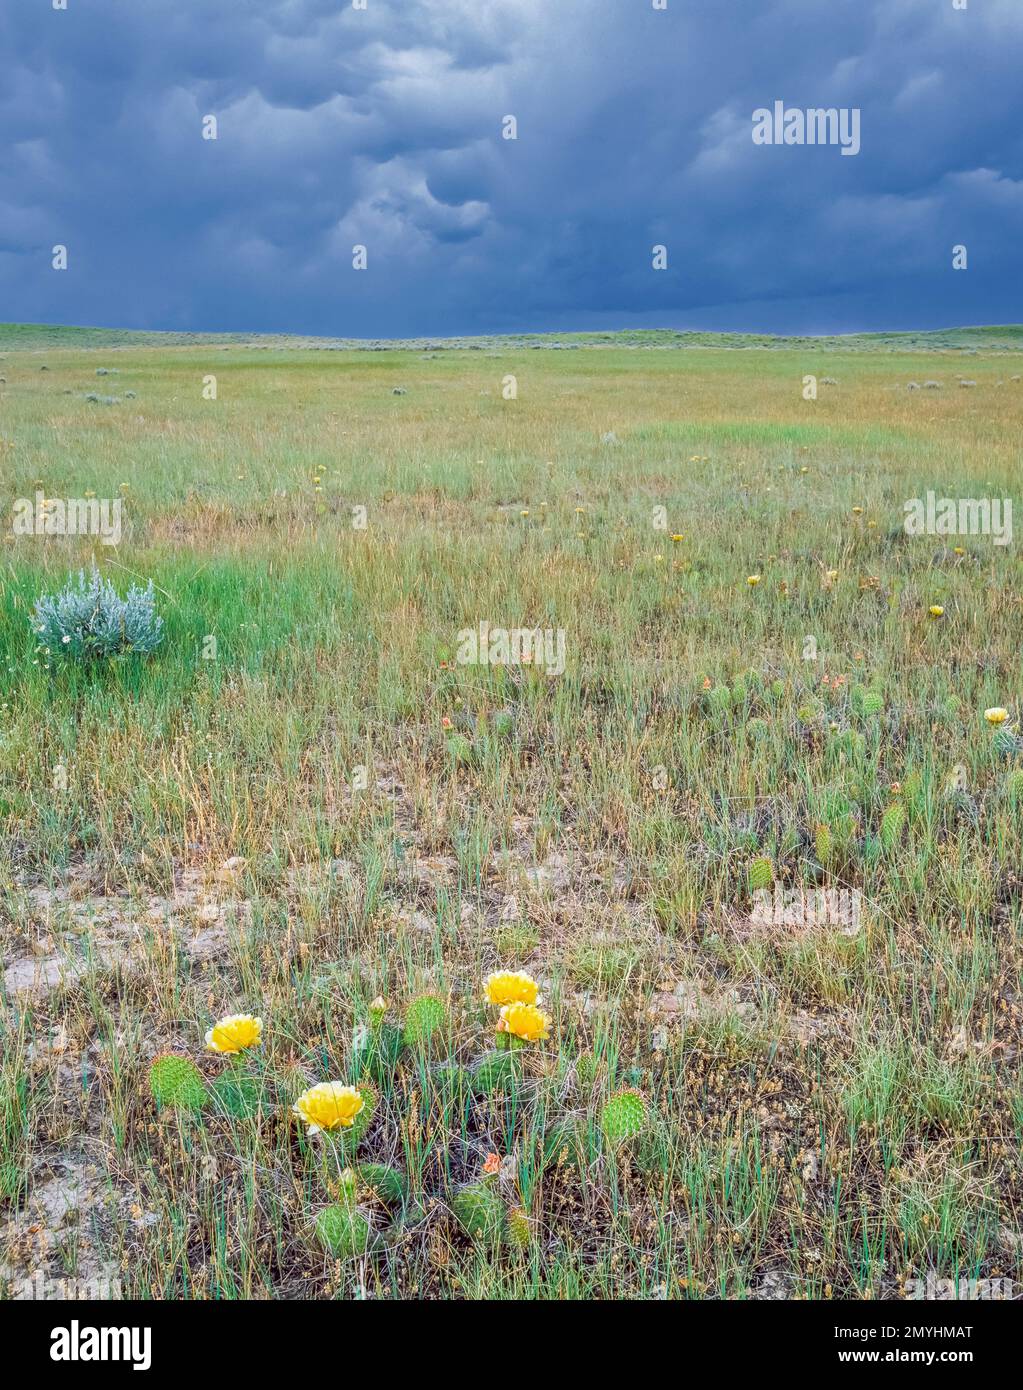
<point x="375" y="1051"/>
<point x="760" y="874"/>
<point x="425" y="1017"/>
<point x="497" y="1071"/>
<point x="720" y="698"/>
<point x="344" y="1231"/>
<point x="825" y="844"/>
<point x="347" y="1186"/>
<point x="892" y="823"/>
<point x="586" y="1069"/>
<point x="1007" y="743"/>
<point x="518" y="1228"/>
<point x="236" y="1095"/>
<point x="479" y="1210"/>
<point x="460" y="749"/>
<point x="386" y="1182"/>
<point x="623" y="1117"/>
<point x="176" y="1082"/>
<point x="565" y="1142"/>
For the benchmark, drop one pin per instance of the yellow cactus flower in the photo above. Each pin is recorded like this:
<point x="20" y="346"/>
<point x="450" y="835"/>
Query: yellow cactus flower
<point x="936" y="610"/>
<point x="997" y="715"/>
<point x="524" y="1021"/>
<point x="330" y="1105"/>
<point x="510" y="987"/>
<point x="235" y="1033"/>
<point x="753" y="580"/>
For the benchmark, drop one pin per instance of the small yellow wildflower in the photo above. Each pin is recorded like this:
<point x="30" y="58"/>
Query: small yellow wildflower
<point x="753" y="580"/>
<point x="936" y="610"/>
<point x="330" y="1105"/>
<point x="510" y="987"/>
<point x="235" y="1033"/>
<point x="997" y="715"/>
<point x="525" y="1021"/>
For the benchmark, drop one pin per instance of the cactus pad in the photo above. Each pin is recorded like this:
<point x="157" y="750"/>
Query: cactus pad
<point x="479" y="1210"/>
<point x="760" y="873"/>
<point x="344" y="1231"/>
<point x="177" y="1082"/>
<point x="386" y="1182"/>
<point x="623" y="1117"/>
<point x="425" y="1016"/>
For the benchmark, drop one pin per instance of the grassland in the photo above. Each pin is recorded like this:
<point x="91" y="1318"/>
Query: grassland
<point x="830" y="1112"/>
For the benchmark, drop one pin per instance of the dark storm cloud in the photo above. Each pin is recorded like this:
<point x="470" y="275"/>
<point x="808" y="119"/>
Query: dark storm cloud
<point x="383" y="127"/>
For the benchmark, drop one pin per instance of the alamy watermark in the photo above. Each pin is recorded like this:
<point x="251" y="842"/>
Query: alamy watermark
<point x="43" y="1288"/>
<point x="73" y="516"/>
<point x="959" y="516"/>
<point x="971" y="1290"/>
<point x="794" y="907"/>
<point x="540" y="647"/>
<point x="817" y="125"/>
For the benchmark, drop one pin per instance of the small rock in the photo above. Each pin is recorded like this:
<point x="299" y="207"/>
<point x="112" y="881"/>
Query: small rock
<point x="231" y="869"/>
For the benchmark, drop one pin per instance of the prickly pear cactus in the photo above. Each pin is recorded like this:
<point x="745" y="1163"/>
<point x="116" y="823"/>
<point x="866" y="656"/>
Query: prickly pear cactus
<point x="386" y="1182"/>
<point x="586" y="1068"/>
<point x="503" y="724"/>
<point x="479" y="1210"/>
<point x="357" y="1129"/>
<point x="376" y="1051"/>
<point x="236" y="1095"/>
<point x="346" y="1186"/>
<point x="623" y="1117"/>
<point x="760" y="874"/>
<point x="1007" y="743"/>
<point x="872" y="703"/>
<point x="518" y="1228"/>
<point x="460" y="749"/>
<point x="719" y="699"/>
<point x="344" y="1231"/>
<point x="1014" y="786"/>
<point x="497" y="1071"/>
<point x="565" y="1142"/>
<point x="177" y="1082"/>
<point x="892" y="823"/>
<point x="425" y="1017"/>
<point x="825" y="844"/>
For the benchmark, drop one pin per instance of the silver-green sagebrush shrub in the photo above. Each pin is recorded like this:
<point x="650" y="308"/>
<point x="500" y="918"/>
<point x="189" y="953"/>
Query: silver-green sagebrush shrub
<point x="89" y="620"/>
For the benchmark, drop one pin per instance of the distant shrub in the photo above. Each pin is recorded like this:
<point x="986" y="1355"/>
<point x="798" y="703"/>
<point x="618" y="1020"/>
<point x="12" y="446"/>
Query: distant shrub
<point x="88" y="619"/>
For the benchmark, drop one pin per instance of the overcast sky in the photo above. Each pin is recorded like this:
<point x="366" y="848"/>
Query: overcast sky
<point x="383" y="127"/>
